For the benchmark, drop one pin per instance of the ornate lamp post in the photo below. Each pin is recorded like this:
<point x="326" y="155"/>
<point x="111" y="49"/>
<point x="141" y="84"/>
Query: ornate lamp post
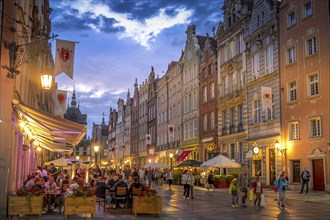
<point x="96" y="150"/>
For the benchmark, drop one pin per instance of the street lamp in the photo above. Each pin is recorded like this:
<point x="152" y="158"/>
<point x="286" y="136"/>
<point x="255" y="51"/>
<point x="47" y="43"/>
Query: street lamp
<point x="96" y="149"/>
<point x="283" y="150"/>
<point x="171" y="157"/>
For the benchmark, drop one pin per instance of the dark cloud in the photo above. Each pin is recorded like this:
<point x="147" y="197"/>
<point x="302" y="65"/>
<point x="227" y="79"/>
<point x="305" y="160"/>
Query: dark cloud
<point x="204" y="13"/>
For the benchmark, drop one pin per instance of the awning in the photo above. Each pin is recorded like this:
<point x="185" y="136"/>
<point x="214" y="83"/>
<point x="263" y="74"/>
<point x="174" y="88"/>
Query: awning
<point x="51" y="132"/>
<point x="183" y="155"/>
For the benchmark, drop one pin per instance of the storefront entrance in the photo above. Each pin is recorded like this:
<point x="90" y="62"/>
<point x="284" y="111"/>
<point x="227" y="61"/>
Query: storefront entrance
<point x="272" y="166"/>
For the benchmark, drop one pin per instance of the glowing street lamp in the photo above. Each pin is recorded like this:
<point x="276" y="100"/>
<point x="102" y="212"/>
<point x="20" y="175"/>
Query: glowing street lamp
<point x="171" y="159"/>
<point x="96" y="150"/>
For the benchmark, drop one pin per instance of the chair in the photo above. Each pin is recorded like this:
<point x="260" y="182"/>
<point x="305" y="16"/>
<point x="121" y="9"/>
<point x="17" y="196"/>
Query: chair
<point x="135" y="192"/>
<point x="120" y="193"/>
<point x="101" y="202"/>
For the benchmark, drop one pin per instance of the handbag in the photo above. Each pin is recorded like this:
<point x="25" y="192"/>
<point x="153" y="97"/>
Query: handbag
<point x="262" y="200"/>
<point x="251" y="195"/>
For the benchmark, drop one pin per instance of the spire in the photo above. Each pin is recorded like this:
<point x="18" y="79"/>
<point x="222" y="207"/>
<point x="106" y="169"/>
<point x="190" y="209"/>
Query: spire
<point x="128" y="94"/>
<point x="135" y="84"/>
<point x="103" y="122"/>
<point x="74" y="102"/>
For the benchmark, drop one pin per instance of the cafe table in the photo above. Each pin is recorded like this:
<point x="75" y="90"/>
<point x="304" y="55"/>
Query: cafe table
<point x="49" y="196"/>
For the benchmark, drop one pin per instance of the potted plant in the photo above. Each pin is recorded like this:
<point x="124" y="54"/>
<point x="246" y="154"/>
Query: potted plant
<point x="81" y="201"/>
<point x="220" y="181"/>
<point x="147" y="202"/>
<point x="25" y="202"/>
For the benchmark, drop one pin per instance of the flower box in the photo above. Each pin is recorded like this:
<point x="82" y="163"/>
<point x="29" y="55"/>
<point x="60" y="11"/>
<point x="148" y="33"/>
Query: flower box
<point x="79" y="205"/>
<point x="25" y="205"/>
<point x="147" y="205"/>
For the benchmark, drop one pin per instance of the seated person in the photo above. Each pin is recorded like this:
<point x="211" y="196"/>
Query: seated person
<point x="101" y="188"/>
<point x="113" y="181"/>
<point x="30" y="182"/>
<point x="73" y="185"/>
<point x="129" y="181"/>
<point x="38" y="185"/>
<point x="135" y="184"/>
<point x="120" y="183"/>
<point x="50" y="184"/>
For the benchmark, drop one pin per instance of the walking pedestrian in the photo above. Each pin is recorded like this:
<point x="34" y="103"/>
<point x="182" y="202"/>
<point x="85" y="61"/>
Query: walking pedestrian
<point x="210" y="180"/>
<point x="192" y="183"/>
<point x="305" y="175"/>
<point x="244" y="184"/>
<point x="186" y="178"/>
<point x="169" y="178"/>
<point x="282" y="185"/>
<point x="234" y="190"/>
<point x="258" y="190"/>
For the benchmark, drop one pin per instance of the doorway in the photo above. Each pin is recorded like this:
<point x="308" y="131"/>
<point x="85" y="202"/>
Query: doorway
<point x="272" y="166"/>
<point x="318" y="175"/>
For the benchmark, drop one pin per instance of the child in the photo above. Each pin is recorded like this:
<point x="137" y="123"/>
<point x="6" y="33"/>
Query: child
<point x="234" y="190"/>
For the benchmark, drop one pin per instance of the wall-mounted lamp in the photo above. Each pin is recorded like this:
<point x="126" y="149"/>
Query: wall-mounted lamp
<point x="280" y="148"/>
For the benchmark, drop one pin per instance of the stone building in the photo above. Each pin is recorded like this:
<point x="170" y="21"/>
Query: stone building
<point x="208" y="93"/>
<point x="127" y="130"/>
<point x="191" y="60"/>
<point x="305" y="80"/>
<point x="113" y="149"/>
<point x="232" y="103"/>
<point x="152" y="116"/>
<point x="135" y="126"/>
<point x="120" y="145"/>
<point x="143" y="122"/>
<point x="263" y="90"/>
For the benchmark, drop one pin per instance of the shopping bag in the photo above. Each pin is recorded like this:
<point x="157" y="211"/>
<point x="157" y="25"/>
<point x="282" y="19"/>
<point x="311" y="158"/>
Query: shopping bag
<point x="251" y="195"/>
<point x="262" y="200"/>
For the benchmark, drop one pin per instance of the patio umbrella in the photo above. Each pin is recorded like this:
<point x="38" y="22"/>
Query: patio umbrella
<point x="61" y="162"/>
<point x="220" y="161"/>
<point x="189" y="163"/>
<point x="156" y="165"/>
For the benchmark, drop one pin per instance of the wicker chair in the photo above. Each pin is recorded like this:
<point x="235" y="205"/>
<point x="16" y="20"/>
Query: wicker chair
<point x="120" y="193"/>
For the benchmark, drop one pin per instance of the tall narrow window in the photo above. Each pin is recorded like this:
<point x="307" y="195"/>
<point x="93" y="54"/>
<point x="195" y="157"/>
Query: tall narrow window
<point x="232" y="120"/>
<point x="291" y="19"/>
<point x="291" y="55"/>
<point x="293" y="130"/>
<point x="212" y="120"/>
<point x="224" y="86"/>
<point x="212" y="93"/>
<point x="313" y="85"/>
<point x="240" y="153"/>
<point x="232" y="151"/>
<point x="232" y="83"/>
<point x="270" y="111"/>
<point x="241" y="79"/>
<point x="269" y="59"/>
<point x="205" y="122"/>
<point x="293" y="91"/>
<point x="240" y="118"/>
<point x="315" y="127"/>
<point x="311" y="47"/>
<point x="241" y="44"/>
<point x="257" y="109"/>
<point x="308" y="10"/>
<point x="195" y="99"/>
<point x="204" y="94"/>
<point x="195" y="129"/>
<point x="224" y="122"/>
<point x="255" y="66"/>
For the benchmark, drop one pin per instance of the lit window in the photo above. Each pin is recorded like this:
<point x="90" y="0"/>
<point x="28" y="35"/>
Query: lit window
<point x="313" y="85"/>
<point x="291" y="54"/>
<point x="293" y="130"/>
<point x="315" y="127"/>
<point x="270" y="111"/>
<point x="311" y="46"/>
<point x="291" y="19"/>
<point x="308" y="10"/>
<point x="292" y="91"/>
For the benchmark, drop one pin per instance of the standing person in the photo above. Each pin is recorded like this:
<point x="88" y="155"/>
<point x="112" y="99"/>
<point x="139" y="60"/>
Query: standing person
<point x="192" y="183"/>
<point x="305" y="180"/>
<point x="282" y="185"/>
<point x="141" y="174"/>
<point x="186" y="178"/>
<point x="53" y="171"/>
<point x="258" y="190"/>
<point x="244" y="183"/>
<point x="169" y="178"/>
<point x="210" y="180"/>
<point x="149" y="176"/>
<point x="234" y="190"/>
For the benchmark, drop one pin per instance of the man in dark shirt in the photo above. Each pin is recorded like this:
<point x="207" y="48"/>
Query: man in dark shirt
<point x="120" y="183"/>
<point x="53" y="171"/>
<point x="113" y="181"/>
<point x="101" y="188"/>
